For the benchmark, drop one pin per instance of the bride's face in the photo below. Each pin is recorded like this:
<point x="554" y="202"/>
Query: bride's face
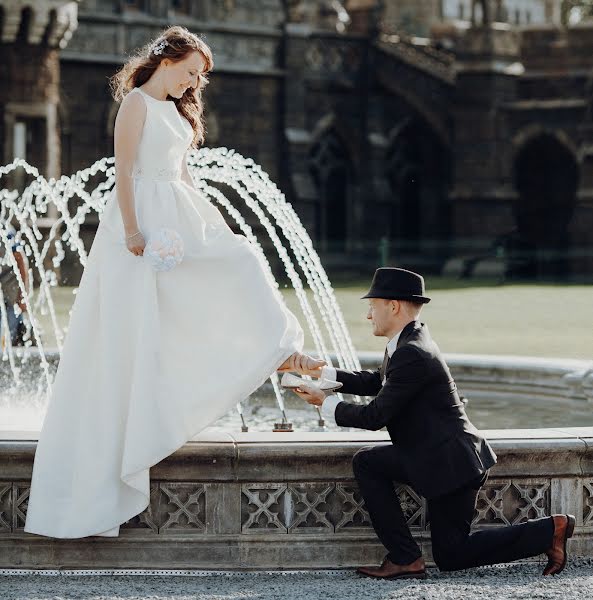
<point x="179" y="76"/>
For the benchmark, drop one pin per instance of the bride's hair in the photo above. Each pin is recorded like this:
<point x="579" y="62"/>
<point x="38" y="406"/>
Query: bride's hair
<point x="144" y="63"/>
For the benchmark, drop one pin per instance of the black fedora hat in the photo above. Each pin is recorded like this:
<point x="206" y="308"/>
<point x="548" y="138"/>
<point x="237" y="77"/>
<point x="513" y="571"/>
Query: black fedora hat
<point x="392" y="283"/>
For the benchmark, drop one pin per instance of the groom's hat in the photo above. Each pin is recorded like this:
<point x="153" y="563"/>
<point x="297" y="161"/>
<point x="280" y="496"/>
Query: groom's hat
<point x="392" y="283"/>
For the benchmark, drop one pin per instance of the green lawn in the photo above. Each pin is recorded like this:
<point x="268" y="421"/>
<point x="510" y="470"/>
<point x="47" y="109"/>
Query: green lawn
<point x="520" y="319"/>
<point x="537" y="320"/>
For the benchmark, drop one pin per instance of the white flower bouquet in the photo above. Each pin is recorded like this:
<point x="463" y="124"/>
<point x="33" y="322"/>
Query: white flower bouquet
<point x="164" y="250"/>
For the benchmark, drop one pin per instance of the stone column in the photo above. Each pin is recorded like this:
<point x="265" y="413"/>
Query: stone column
<point x="487" y="67"/>
<point x="30" y="39"/>
<point x="554" y="12"/>
<point x="31" y="36"/>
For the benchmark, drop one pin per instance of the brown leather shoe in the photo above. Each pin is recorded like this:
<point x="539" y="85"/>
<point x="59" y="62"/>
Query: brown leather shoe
<point x="557" y="554"/>
<point x="389" y="570"/>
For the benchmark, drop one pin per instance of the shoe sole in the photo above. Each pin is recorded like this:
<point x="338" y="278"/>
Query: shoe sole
<point x="412" y="575"/>
<point x="421" y="575"/>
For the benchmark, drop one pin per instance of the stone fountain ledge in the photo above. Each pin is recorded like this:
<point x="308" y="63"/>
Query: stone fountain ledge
<point x="515" y="377"/>
<point x="289" y="501"/>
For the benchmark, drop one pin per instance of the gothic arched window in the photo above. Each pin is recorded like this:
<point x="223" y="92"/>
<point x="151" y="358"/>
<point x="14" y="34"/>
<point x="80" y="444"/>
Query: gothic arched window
<point x="546" y="176"/>
<point x="417" y="167"/>
<point x="330" y="168"/>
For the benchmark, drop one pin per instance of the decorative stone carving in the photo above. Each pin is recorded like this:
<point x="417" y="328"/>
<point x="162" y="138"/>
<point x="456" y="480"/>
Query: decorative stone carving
<point x="5" y="507"/>
<point x="148" y="519"/>
<point x="302" y="508"/>
<point x="511" y="502"/>
<point x="354" y="514"/>
<point x="14" y="498"/>
<point x="20" y="502"/>
<point x="260" y="507"/>
<point x="533" y="500"/>
<point x="174" y="507"/>
<point x="588" y="502"/>
<point x="309" y="507"/>
<point x="306" y="507"/>
<point x="413" y="507"/>
<point x="489" y="506"/>
<point x="183" y="506"/>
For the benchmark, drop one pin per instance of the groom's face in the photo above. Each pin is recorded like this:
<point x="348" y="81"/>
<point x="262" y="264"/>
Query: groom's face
<point x="381" y="314"/>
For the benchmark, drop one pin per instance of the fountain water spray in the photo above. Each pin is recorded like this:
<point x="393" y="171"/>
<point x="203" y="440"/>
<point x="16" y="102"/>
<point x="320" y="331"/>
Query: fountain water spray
<point x="213" y="170"/>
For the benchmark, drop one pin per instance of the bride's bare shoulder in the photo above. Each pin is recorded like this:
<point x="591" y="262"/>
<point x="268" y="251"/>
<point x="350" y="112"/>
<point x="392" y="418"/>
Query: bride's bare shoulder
<point x="132" y="110"/>
<point x="133" y="100"/>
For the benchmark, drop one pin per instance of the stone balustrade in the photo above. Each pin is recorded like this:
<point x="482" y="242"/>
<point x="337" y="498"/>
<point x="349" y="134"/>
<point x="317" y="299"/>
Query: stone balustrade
<point x="289" y="500"/>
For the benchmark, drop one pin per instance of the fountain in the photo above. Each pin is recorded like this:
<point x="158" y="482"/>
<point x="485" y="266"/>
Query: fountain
<point x="235" y="496"/>
<point x="210" y="167"/>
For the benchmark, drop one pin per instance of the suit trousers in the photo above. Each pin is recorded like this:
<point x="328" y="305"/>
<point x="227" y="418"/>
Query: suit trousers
<point x="376" y="469"/>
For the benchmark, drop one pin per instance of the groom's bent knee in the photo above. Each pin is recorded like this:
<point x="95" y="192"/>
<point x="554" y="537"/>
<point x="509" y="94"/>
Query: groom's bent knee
<point x="360" y="460"/>
<point x="446" y="557"/>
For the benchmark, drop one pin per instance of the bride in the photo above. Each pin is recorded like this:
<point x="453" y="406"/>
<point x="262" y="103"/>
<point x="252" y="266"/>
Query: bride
<point x="176" y="318"/>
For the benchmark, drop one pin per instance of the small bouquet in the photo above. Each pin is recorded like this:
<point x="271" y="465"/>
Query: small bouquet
<point x="164" y="249"/>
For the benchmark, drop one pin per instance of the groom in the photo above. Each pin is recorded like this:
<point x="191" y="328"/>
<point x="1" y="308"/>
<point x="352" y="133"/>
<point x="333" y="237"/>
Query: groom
<point x="436" y="450"/>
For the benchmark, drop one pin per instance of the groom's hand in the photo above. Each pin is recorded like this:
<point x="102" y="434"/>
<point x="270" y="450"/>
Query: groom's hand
<point x="312" y="396"/>
<point x="303" y="364"/>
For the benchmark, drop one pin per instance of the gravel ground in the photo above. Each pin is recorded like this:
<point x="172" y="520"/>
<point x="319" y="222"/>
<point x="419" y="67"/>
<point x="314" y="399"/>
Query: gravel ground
<point x="500" y="582"/>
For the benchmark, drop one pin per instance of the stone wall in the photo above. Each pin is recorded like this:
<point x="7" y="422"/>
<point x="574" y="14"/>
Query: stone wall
<point x="242" y="101"/>
<point x="408" y="139"/>
<point x="414" y="17"/>
<point x="289" y="500"/>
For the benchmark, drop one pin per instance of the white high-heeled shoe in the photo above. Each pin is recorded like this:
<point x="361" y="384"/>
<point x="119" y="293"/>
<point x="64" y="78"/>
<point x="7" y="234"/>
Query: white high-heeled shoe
<point x="292" y="382"/>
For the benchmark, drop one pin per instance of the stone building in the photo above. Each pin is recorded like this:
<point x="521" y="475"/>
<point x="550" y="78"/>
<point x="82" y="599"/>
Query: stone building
<point x="417" y="17"/>
<point x="468" y="150"/>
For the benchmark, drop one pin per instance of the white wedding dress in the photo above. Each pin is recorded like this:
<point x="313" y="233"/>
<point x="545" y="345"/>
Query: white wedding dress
<point x="151" y="357"/>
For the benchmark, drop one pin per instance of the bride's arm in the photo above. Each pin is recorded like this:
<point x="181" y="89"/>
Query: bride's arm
<point x="128" y="130"/>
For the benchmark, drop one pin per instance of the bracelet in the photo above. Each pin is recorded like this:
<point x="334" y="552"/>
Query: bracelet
<point x="131" y="236"/>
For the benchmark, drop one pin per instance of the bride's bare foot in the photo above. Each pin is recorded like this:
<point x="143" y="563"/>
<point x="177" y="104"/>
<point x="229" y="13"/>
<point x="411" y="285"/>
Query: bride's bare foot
<point x="302" y="364"/>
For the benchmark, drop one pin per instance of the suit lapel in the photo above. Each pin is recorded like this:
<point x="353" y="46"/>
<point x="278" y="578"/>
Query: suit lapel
<point x="405" y="333"/>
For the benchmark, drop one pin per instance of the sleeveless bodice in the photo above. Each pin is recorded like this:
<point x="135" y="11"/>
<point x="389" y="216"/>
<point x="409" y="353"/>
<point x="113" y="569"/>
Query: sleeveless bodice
<point x="165" y="138"/>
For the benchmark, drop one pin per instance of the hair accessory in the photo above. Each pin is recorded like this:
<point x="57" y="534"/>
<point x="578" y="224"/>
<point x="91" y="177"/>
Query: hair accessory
<point x="158" y="49"/>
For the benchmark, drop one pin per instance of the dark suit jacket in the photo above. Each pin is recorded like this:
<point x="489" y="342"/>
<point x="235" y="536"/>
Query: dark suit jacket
<point x="439" y="447"/>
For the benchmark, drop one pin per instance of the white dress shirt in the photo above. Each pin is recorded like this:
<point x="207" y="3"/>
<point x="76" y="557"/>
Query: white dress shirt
<point x="328" y="408"/>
